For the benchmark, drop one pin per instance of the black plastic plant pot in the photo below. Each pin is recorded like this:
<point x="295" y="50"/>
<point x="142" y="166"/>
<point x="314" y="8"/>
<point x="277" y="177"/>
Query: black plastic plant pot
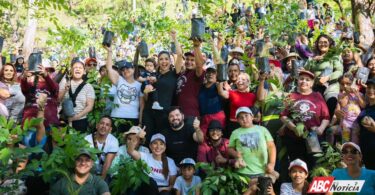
<point x="35" y="59"/>
<point x="222" y="72"/>
<point x="224" y="54"/>
<point x="107" y="39"/>
<point x="12" y="58"/>
<point x="263" y="64"/>
<point x="356" y="37"/>
<point x="362" y="74"/>
<point x="296" y="66"/>
<point x="3" y="60"/>
<point x="263" y="184"/>
<point x="92" y="52"/>
<point x="143" y="49"/>
<point x="259" y="45"/>
<point x="1" y="43"/>
<point x="173" y="48"/>
<point x="197" y="28"/>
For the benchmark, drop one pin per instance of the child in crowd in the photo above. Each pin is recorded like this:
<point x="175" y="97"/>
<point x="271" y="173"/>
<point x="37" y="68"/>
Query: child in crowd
<point x="148" y="77"/>
<point x="187" y="181"/>
<point x="350" y="102"/>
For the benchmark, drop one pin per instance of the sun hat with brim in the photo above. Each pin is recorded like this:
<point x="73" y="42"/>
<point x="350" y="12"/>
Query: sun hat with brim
<point x="245" y="110"/>
<point x="298" y="163"/>
<point x="211" y="68"/>
<point x="158" y="136"/>
<point x="352" y="144"/>
<point x="291" y="54"/>
<point x="133" y="130"/>
<point x="187" y="161"/>
<point x="236" y="50"/>
<point x="84" y="152"/>
<point x="308" y="73"/>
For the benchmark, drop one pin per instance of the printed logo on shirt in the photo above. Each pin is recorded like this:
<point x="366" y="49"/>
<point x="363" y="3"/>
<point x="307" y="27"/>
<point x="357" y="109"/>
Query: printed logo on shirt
<point x="126" y="94"/>
<point x="181" y="81"/>
<point x="306" y="109"/>
<point x="250" y="140"/>
<point x="156" y="170"/>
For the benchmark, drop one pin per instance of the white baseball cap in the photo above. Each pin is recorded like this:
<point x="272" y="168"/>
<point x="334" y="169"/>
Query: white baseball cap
<point x="243" y="109"/>
<point x="157" y="136"/>
<point x="354" y="145"/>
<point x="298" y="163"/>
<point x="187" y="161"/>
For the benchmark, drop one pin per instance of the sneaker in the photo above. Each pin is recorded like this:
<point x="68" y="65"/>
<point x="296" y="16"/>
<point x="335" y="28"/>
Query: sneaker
<point x="156" y="106"/>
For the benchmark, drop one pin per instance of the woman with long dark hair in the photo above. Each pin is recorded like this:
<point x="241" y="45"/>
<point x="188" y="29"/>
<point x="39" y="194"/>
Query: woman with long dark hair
<point x="327" y="70"/>
<point x="163" y="169"/>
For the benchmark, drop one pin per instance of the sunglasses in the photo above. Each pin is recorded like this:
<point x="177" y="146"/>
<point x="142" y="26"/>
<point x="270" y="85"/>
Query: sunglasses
<point x="350" y="151"/>
<point x="91" y="64"/>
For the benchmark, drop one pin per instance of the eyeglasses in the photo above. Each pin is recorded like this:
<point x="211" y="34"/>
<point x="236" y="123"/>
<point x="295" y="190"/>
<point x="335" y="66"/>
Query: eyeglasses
<point x="91" y="64"/>
<point x="349" y="151"/>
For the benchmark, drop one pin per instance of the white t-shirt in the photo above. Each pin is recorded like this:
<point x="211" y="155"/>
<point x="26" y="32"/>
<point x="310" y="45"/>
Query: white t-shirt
<point x="183" y="187"/>
<point x="111" y="145"/>
<point x="287" y="189"/>
<point x="310" y="14"/>
<point x="157" y="168"/>
<point x="127" y="99"/>
<point x="81" y="100"/>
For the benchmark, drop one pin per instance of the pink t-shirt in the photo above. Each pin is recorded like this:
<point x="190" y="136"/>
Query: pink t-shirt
<point x="188" y="86"/>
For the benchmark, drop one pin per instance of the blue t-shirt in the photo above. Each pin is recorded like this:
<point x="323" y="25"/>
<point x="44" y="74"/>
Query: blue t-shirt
<point x="366" y="174"/>
<point x="209" y="100"/>
<point x="183" y="187"/>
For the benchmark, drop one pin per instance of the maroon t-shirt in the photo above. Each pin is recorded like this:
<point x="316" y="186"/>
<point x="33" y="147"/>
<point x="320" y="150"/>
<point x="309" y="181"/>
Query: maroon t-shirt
<point x="188" y="86"/>
<point x="312" y="108"/>
<point x="31" y="91"/>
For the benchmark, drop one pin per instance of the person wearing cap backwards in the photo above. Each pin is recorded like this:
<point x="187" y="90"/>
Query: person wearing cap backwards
<point x="104" y="141"/>
<point x="81" y="93"/>
<point x="128" y="97"/>
<point x="313" y="113"/>
<point x="163" y="169"/>
<point x="187" y="180"/>
<point x="352" y="156"/>
<point x="82" y="181"/>
<point x="189" y="82"/>
<point x="183" y="139"/>
<point x="367" y="127"/>
<point x="215" y="148"/>
<point x="252" y="146"/>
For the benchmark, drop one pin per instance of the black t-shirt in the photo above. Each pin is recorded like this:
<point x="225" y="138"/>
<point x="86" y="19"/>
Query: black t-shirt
<point x="166" y="88"/>
<point x="180" y="144"/>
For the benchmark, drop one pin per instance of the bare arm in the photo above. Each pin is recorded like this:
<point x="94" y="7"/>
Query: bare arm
<point x="88" y="108"/>
<point x="222" y="92"/>
<point x="132" y="152"/>
<point x="179" y="61"/>
<point x="199" y="62"/>
<point x="112" y="74"/>
<point x="288" y="122"/>
<point x="261" y="92"/>
<point x="198" y="134"/>
<point x="141" y="108"/>
<point x="233" y="153"/>
<point x="4" y="93"/>
<point x="107" y="163"/>
<point x="271" y="156"/>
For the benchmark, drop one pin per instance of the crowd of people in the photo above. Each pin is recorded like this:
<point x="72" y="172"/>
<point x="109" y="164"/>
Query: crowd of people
<point x="187" y="107"/>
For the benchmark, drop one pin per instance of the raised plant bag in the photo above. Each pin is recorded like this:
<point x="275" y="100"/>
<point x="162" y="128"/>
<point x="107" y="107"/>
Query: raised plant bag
<point x="143" y="49"/>
<point x="34" y="60"/>
<point x="263" y="184"/>
<point x="224" y="54"/>
<point x="107" y="39"/>
<point x="1" y="43"/>
<point x="263" y="64"/>
<point x="222" y="72"/>
<point x="197" y="28"/>
<point x="173" y="47"/>
<point x="92" y="52"/>
<point x="296" y="66"/>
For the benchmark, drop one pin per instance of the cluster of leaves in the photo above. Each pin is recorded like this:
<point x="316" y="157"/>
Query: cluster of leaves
<point x="129" y="175"/>
<point x="221" y="180"/>
<point x="11" y="133"/>
<point x="329" y="160"/>
<point x="61" y="160"/>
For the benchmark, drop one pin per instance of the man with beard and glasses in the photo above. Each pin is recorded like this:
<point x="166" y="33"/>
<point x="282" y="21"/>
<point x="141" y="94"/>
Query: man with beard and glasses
<point x="182" y="139"/>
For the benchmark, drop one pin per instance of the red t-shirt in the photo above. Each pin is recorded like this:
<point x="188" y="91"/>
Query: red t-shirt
<point x="239" y="99"/>
<point x="312" y="108"/>
<point x="188" y="86"/>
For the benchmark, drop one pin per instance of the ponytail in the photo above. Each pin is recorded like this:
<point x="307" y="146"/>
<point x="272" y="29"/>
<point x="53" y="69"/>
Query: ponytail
<point x="165" y="165"/>
<point x="305" y="188"/>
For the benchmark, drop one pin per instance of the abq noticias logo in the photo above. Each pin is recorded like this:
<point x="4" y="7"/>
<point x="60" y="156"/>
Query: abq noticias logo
<point x="328" y="184"/>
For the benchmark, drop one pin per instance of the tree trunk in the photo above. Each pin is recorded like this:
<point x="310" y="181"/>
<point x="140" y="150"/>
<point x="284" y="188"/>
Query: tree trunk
<point x="30" y="32"/>
<point x="361" y="17"/>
